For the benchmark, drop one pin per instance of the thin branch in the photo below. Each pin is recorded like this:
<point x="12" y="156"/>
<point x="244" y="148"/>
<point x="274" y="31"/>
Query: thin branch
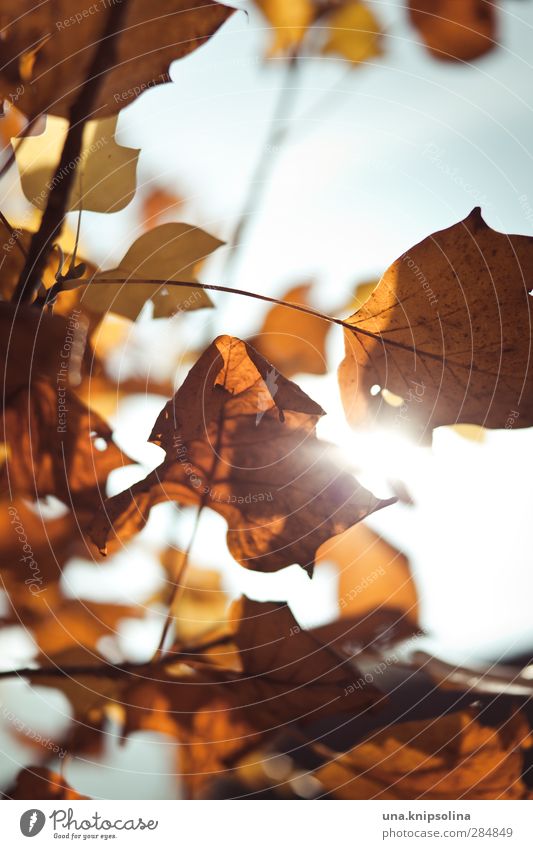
<point x="326" y="102"/>
<point x="111" y="670"/>
<point x="176" y="592"/>
<point x="81" y="110"/>
<point x="278" y="129"/>
<point x="211" y="287"/>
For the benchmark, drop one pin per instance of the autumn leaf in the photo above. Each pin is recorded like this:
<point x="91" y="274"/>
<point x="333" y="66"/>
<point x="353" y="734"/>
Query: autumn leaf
<point x="50" y="540"/>
<point x="293" y="342"/>
<point x="353" y="33"/>
<point x="370" y="635"/>
<point x="290" y="22"/>
<point x="11" y="124"/>
<point x="105" y="172"/>
<point x="168" y="252"/>
<point x="449" y="757"/>
<point x="447" y="334"/>
<point x="152" y="37"/>
<point x="286" y="675"/>
<point x="351" y="29"/>
<point x="373" y="574"/>
<point x="240" y="439"/>
<point x="77" y="622"/>
<point x="38" y="782"/>
<point x="57" y="446"/>
<point x="157" y="204"/>
<point x="455" y="30"/>
<point x="30" y="346"/>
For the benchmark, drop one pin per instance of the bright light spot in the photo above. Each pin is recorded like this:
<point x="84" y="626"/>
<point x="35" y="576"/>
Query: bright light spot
<point x="375" y="389"/>
<point x="392" y="399"/>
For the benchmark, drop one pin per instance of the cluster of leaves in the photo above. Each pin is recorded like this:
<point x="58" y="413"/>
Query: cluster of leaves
<point x="453" y="315"/>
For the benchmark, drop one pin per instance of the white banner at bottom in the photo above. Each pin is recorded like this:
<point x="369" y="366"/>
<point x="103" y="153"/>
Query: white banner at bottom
<point x="268" y="824"/>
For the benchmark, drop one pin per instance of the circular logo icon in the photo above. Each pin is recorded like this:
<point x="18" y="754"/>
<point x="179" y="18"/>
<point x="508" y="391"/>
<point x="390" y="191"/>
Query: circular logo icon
<point x="32" y="822"/>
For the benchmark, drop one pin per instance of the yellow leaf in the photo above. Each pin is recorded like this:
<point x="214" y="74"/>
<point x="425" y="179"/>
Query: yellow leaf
<point x="168" y="252"/>
<point x="105" y="179"/>
<point x="354" y="33"/>
<point x="290" y="20"/>
<point x="372" y="573"/>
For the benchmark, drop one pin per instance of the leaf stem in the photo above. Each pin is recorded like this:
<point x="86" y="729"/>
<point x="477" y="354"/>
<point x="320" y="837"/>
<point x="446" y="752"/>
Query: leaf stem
<point x="277" y="131"/>
<point x="178" y="586"/>
<point x="80" y="112"/>
<point x="340" y="322"/>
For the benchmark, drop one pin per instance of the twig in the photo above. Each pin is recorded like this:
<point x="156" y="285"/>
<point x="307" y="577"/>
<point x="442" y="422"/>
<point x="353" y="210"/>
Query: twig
<point x="324" y="103"/>
<point x="111" y="670"/>
<point x="277" y="131"/>
<point x="178" y="583"/>
<point x="81" y="110"/>
<point x="211" y="287"/>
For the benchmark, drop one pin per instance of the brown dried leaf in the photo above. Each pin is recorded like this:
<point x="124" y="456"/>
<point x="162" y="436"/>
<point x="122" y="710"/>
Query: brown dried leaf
<point x="448" y="331"/>
<point x="450" y="757"/>
<point x="57" y="446"/>
<point x="74" y="623"/>
<point x="30" y="342"/>
<point x="153" y="36"/>
<point x="240" y="438"/>
<point x="33" y="546"/>
<point x="286" y="676"/>
<point x="38" y="782"/>
<point x="455" y="30"/>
